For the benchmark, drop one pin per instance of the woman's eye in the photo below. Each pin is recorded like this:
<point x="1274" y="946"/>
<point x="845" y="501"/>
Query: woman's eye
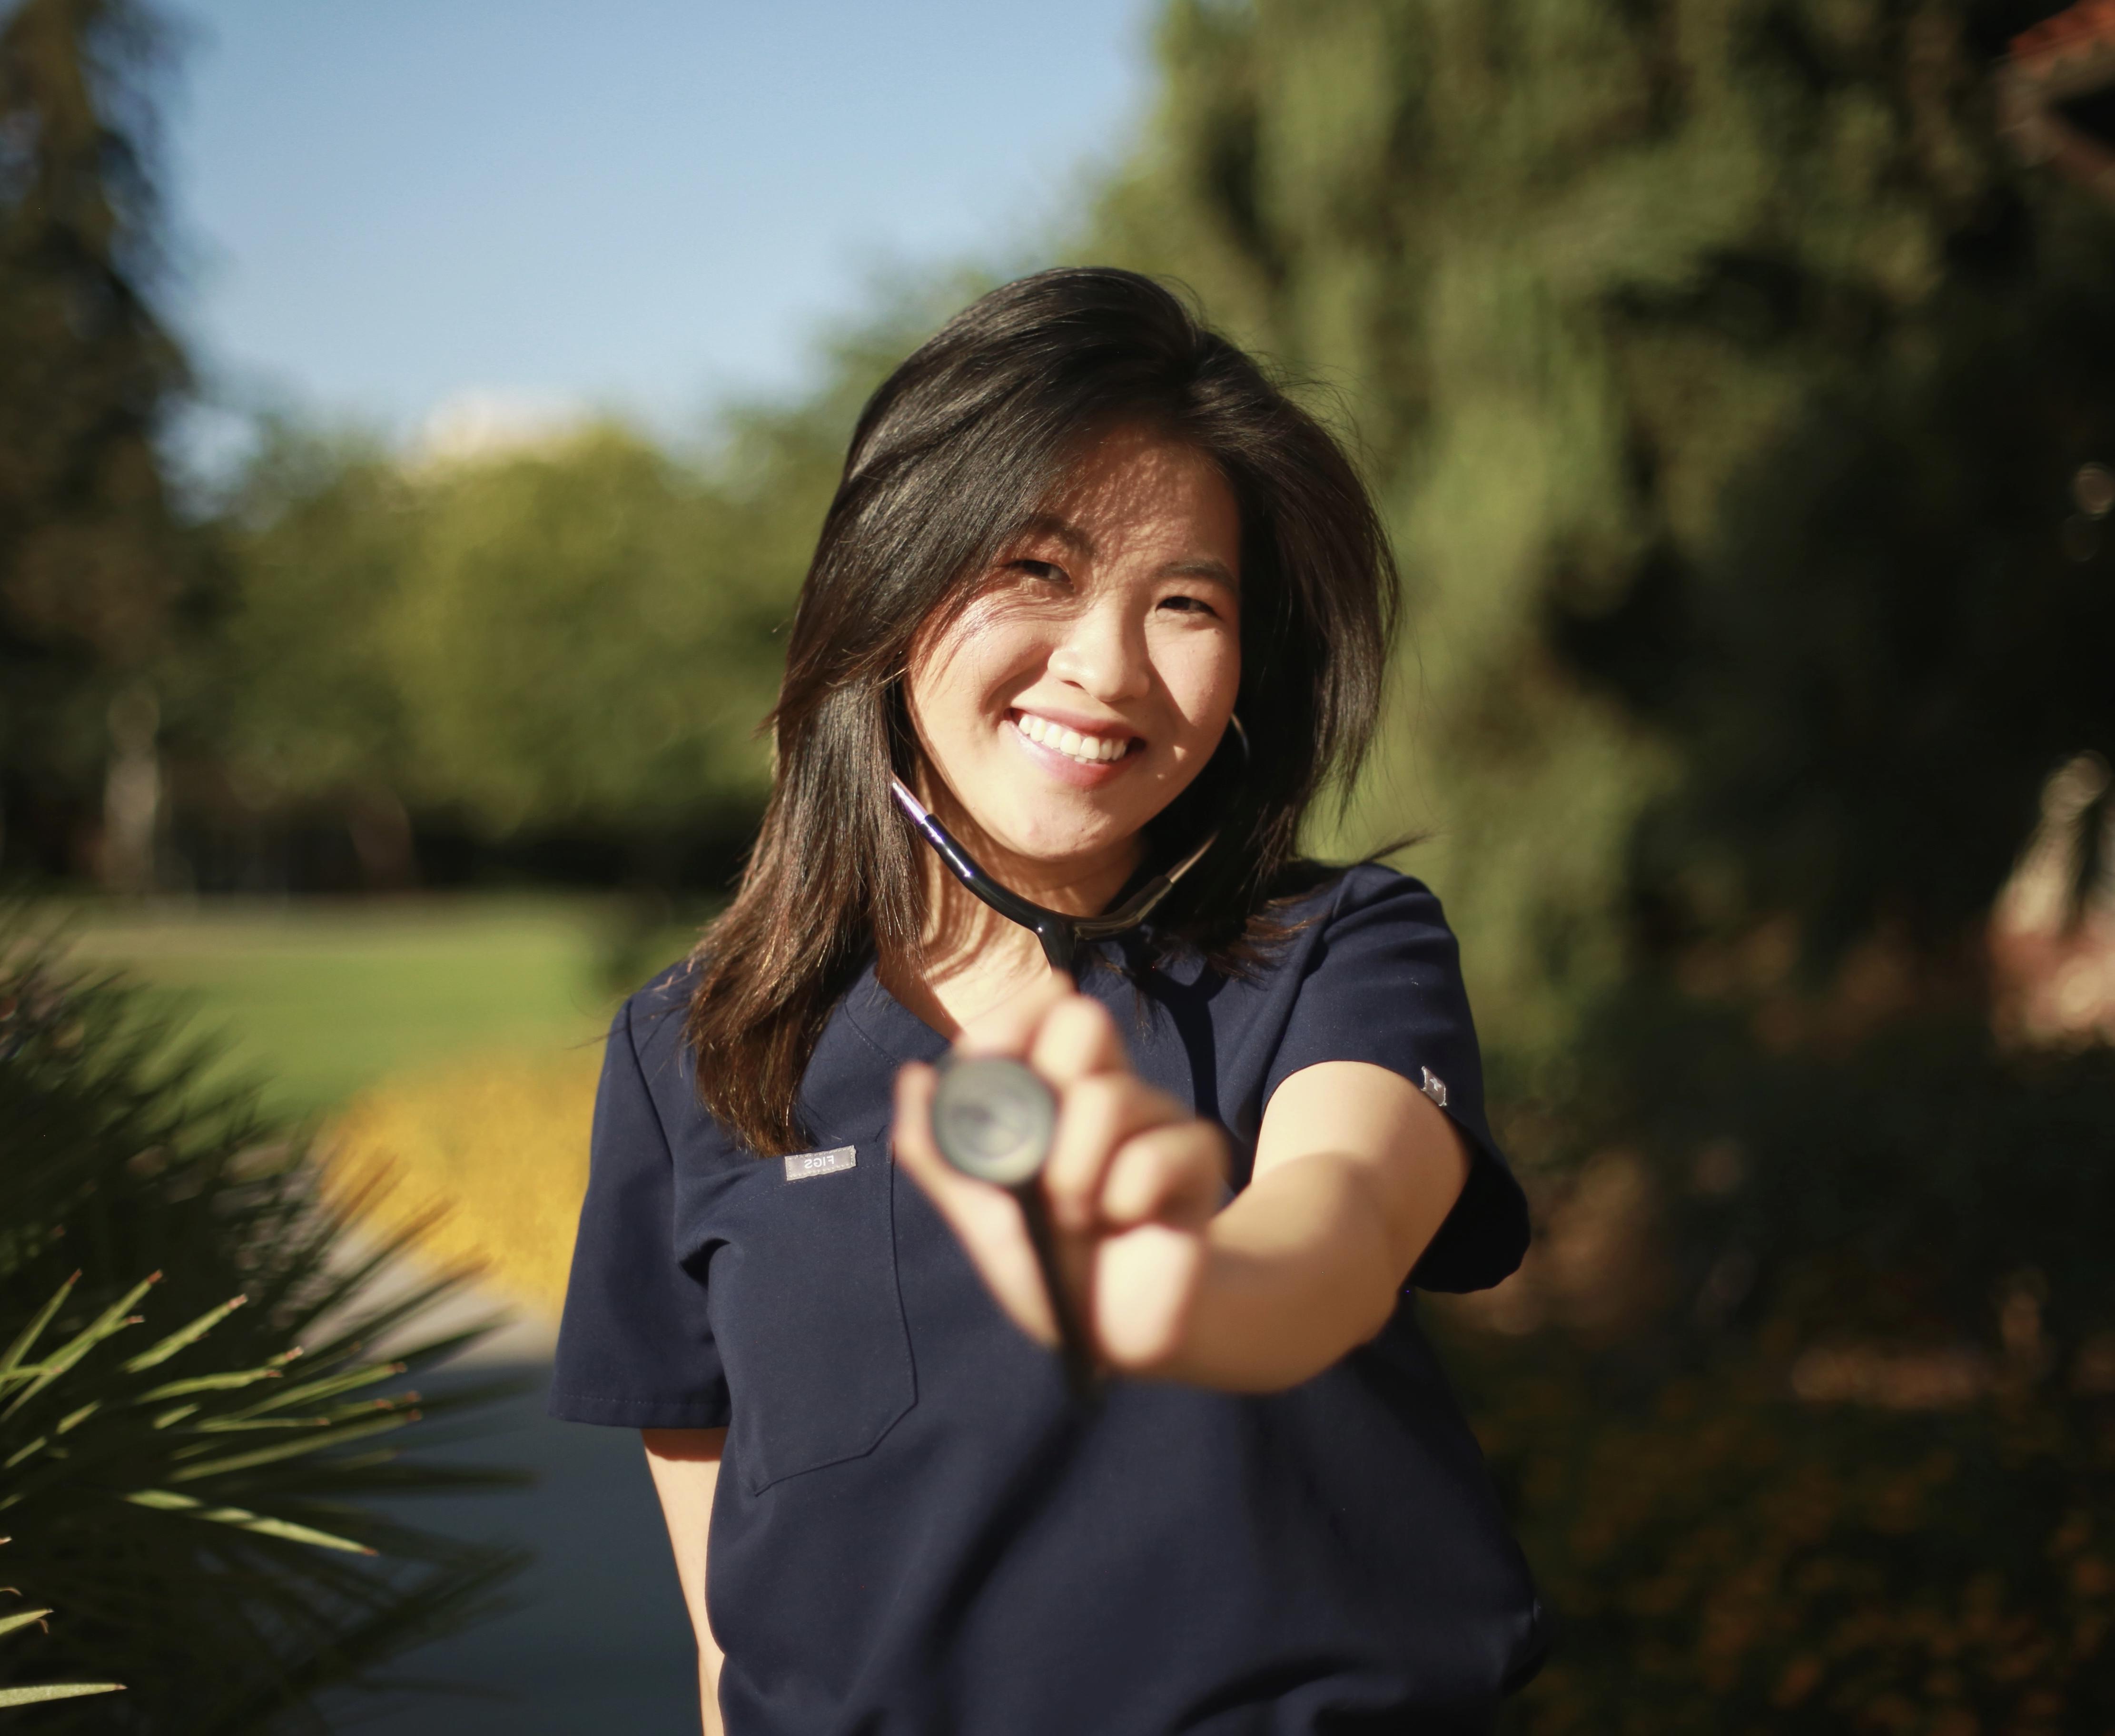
<point x="1188" y="605"/>
<point x="1043" y="569"/>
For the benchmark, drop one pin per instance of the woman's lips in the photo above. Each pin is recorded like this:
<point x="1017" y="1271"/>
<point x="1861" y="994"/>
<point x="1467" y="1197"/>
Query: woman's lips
<point x="1072" y="766"/>
<point x="1090" y="746"/>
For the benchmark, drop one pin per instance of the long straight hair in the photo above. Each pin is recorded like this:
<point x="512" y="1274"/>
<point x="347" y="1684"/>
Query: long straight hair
<point x="952" y="455"/>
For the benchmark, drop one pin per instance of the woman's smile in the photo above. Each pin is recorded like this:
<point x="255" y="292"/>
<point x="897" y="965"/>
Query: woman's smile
<point x="1079" y="752"/>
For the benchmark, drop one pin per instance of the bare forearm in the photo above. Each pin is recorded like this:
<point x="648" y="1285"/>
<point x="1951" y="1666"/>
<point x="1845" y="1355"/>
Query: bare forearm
<point x="709" y="1687"/>
<point x="1301" y="1269"/>
<point x="684" y="1463"/>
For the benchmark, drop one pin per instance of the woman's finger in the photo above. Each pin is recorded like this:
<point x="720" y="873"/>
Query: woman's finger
<point x="1095" y="1116"/>
<point x="1011" y="1027"/>
<point x="1173" y="1173"/>
<point x="1146" y="1288"/>
<point x="1077" y="1039"/>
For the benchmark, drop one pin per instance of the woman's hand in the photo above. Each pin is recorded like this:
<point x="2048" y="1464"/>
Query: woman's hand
<point x="1132" y="1181"/>
<point x="1354" y="1170"/>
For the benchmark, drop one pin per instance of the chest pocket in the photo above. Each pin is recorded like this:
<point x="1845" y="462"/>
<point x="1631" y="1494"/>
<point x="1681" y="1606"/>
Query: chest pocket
<point x="808" y="1314"/>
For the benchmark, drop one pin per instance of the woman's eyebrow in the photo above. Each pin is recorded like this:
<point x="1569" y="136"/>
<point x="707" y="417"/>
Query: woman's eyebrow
<point x="1203" y="566"/>
<point x="1064" y="530"/>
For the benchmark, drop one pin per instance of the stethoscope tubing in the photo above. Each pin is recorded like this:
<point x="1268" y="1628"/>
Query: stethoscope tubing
<point x="1059" y="934"/>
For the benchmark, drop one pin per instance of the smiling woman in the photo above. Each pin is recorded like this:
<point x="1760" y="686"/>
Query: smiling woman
<point x="1104" y="644"/>
<point x="1071" y="465"/>
<point x="1078" y="536"/>
<point x="1077" y="690"/>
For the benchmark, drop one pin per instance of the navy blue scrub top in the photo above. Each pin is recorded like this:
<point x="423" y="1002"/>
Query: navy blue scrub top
<point x="914" y="1532"/>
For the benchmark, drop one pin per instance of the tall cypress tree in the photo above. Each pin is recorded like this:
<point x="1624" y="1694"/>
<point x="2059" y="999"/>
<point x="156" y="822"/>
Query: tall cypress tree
<point x="1727" y="379"/>
<point x="93" y="562"/>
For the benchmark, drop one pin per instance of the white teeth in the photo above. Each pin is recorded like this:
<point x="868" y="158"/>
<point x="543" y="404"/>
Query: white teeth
<point x="1092" y="750"/>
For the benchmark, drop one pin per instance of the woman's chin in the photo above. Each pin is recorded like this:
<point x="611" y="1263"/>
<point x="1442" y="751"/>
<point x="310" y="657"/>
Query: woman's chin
<point x="1038" y="847"/>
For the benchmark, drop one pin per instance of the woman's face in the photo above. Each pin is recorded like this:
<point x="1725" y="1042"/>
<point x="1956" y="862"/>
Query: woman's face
<point x="1092" y="674"/>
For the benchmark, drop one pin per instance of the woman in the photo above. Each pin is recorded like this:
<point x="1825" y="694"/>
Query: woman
<point x="1082" y="549"/>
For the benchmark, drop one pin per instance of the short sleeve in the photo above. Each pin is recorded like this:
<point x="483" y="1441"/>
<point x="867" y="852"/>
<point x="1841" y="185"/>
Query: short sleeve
<point x="635" y="1345"/>
<point x="1382" y="984"/>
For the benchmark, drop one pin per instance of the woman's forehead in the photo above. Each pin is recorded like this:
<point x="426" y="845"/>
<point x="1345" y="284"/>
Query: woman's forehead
<point x="1130" y="462"/>
<point x="1134" y="488"/>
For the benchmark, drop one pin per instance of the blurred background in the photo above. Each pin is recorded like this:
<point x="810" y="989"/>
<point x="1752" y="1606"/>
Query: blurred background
<point x="414" y="422"/>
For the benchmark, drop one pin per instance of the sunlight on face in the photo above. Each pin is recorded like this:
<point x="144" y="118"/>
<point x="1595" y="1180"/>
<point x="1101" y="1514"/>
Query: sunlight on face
<point x="1092" y="675"/>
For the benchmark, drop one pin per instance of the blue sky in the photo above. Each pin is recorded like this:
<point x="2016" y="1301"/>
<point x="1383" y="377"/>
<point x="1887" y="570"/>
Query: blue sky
<point x="638" y="205"/>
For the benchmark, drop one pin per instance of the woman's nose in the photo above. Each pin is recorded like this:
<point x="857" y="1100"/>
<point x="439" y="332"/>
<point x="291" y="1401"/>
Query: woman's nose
<point x="1102" y="653"/>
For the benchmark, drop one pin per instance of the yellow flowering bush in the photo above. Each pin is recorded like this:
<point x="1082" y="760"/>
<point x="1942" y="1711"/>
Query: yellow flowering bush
<point x="490" y="1153"/>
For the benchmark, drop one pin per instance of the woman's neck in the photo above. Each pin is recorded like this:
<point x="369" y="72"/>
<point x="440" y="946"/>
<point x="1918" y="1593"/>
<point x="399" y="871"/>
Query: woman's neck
<point x="970" y="959"/>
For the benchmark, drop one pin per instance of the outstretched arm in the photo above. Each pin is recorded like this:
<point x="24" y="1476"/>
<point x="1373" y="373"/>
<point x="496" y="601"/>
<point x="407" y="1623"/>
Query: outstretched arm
<point x="1355" y="1172"/>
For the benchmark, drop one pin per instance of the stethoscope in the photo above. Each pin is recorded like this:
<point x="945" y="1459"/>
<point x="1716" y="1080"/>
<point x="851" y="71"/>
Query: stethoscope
<point x="1061" y="935"/>
<point x="994" y="1118"/>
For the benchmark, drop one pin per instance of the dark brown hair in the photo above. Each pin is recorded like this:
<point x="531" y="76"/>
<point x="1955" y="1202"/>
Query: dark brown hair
<point x="952" y="455"/>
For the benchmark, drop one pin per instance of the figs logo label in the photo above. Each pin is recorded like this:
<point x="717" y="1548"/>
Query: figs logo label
<point x="806" y="1166"/>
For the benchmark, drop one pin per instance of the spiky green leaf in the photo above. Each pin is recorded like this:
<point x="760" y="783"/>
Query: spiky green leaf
<point x="34" y="1330"/>
<point x="111" y="1321"/>
<point x="229" y="1382"/>
<point x="259" y="1524"/>
<point x="45" y="1690"/>
<point x="292" y="1449"/>
<point x="184" y="1336"/>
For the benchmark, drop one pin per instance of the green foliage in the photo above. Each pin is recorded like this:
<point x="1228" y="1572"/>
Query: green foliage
<point x="567" y="636"/>
<point x="1725" y="382"/>
<point x="324" y="530"/>
<point x="37" y="1693"/>
<point x="579" y="633"/>
<point x="1850" y="1460"/>
<point x="189" y="1498"/>
<point x="586" y="636"/>
<point x="95" y="570"/>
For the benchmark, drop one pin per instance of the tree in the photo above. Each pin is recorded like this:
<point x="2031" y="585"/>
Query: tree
<point x="1734" y="397"/>
<point x="95" y="567"/>
<point x="192" y="1415"/>
<point x="586" y="636"/>
<point x="1682" y="338"/>
<point x="574" y="638"/>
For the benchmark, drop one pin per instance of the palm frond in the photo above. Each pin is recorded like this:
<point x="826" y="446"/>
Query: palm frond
<point x="190" y="1461"/>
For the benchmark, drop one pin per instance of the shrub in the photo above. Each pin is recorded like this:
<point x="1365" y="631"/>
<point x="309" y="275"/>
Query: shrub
<point x="491" y="1153"/>
<point x="189" y="1498"/>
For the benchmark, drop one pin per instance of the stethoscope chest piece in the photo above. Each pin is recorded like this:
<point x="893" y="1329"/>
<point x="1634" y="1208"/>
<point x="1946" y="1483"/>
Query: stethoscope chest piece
<point x="993" y="1119"/>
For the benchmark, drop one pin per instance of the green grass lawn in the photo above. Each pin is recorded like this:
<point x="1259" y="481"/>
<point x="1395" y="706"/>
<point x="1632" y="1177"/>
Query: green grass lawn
<point x="319" y="999"/>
